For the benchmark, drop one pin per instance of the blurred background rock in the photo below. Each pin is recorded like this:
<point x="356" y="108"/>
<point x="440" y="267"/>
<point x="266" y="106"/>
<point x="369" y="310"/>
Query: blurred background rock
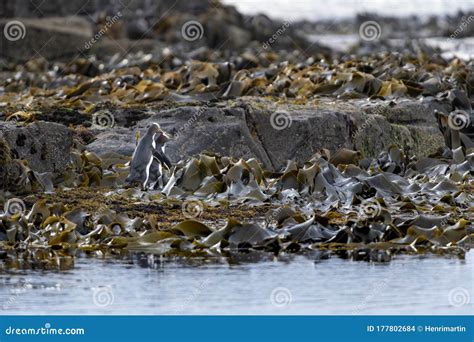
<point x="59" y="28"/>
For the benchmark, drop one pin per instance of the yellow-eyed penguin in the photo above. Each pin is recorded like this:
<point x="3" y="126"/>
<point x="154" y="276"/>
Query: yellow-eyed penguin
<point x="160" y="160"/>
<point x="150" y="146"/>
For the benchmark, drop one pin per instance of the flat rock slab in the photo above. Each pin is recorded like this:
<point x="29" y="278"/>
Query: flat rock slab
<point x="274" y="133"/>
<point x="287" y="134"/>
<point x="196" y="129"/>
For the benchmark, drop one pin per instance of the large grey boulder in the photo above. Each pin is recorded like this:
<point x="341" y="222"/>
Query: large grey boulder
<point x="50" y="38"/>
<point x="46" y="146"/>
<point x="39" y="8"/>
<point x="298" y="134"/>
<point x="196" y="129"/>
<point x="409" y="124"/>
<point x="33" y="8"/>
<point x="275" y="133"/>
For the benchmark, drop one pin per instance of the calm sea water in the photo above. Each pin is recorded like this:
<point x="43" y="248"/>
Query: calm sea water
<point x="406" y="285"/>
<point x="317" y="9"/>
<point x="338" y="9"/>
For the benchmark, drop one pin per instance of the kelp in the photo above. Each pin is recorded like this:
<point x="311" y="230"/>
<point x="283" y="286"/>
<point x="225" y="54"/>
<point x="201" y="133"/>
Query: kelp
<point x="385" y="75"/>
<point x="340" y="202"/>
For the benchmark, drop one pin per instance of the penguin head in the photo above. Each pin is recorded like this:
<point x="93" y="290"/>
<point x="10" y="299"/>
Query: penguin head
<point x="160" y="136"/>
<point x="154" y="128"/>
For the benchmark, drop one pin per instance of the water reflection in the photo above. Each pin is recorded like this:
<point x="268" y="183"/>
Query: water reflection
<point x="315" y="283"/>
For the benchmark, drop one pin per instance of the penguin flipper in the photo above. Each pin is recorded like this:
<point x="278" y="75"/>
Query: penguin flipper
<point x="162" y="158"/>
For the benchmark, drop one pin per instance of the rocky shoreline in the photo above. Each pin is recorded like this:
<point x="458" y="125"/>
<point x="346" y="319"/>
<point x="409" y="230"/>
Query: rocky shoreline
<point x="240" y="128"/>
<point x="278" y="144"/>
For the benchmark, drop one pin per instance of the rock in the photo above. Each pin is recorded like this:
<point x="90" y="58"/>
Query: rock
<point x="45" y="145"/>
<point x="298" y="134"/>
<point x="255" y="127"/>
<point x="28" y="8"/>
<point x="51" y="8"/>
<point x="220" y="130"/>
<point x="409" y="112"/>
<point x="410" y="124"/>
<point x="196" y="129"/>
<point x="222" y="35"/>
<point x="50" y="38"/>
<point x="119" y="140"/>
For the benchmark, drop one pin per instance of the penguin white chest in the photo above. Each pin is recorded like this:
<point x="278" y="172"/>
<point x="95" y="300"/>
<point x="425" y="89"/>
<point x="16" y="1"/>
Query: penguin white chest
<point x="149" y="162"/>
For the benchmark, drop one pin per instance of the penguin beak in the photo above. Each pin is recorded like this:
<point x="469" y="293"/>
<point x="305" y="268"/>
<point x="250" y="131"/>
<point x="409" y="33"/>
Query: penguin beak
<point x="164" y="137"/>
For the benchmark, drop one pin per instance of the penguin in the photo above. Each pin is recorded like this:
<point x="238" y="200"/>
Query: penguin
<point x="150" y="149"/>
<point x="159" y="152"/>
<point x="160" y="160"/>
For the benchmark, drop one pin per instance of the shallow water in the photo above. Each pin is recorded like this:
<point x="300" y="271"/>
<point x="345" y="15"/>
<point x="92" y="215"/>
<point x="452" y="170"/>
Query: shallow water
<point x="462" y="48"/>
<point x="406" y="285"/>
<point x="318" y="9"/>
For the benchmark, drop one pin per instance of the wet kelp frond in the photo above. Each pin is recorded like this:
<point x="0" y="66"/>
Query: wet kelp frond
<point x="214" y="205"/>
<point x="134" y="81"/>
